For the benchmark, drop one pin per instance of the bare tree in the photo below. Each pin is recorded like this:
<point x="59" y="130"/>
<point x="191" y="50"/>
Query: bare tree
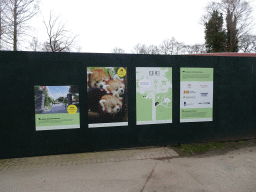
<point x="117" y="50"/>
<point x="173" y="44"/>
<point x="140" y="49"/>
<point x="168" y="46"/>
<point x="164" y="47"/>
<point x="195" y="49"/>
<point x="152" y="49"/>
<point x="232" y="32"/>
<point x="144" y="49"/>
<point x="189" y="49"/>
<point x="180" y="48"/>
<point x="202" y="48"/>
<point x="247" y="43"/>
<point x="209" y="9"/>
<point x="60" y="39"/>
<point x="239" y="19"/>
<point x="34" y="44"/>
<point x="15" y="17"/>
<point x="136" y="48"/>
<point x="254" y="46"/>
<point x="2" y="24"/>
<point x="78" y="48"/>
<point x="241" y="11"/>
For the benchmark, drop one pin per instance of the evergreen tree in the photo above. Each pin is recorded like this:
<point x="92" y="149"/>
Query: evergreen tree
<point x="215" y="36"/>
<point x="74" y="89"/>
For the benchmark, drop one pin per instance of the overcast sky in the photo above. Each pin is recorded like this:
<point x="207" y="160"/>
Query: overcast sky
<point x="105" y="24"/>
<point x="58" y="91"/>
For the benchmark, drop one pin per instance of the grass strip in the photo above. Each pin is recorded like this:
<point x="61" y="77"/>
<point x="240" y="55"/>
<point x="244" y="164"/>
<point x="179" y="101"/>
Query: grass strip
<point x="188" y="149"/>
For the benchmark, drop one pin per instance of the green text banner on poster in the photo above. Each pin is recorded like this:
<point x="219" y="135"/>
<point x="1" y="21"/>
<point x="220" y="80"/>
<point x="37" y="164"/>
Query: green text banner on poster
<point x="196" y="94"/>
<point x="153" y="95"/>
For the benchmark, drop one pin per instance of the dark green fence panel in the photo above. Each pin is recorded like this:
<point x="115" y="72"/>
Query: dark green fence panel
<point x="234" y="88"/>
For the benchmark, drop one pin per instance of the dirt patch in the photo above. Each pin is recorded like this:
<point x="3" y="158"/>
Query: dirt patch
<point x="211" y="149"/>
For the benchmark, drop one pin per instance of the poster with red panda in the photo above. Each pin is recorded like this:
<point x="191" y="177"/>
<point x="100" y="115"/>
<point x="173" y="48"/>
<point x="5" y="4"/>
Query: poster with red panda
<point x="107" y="96"/>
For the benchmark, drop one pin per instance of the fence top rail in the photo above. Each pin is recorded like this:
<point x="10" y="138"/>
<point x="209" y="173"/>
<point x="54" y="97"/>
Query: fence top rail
<point x="226" y="54"/>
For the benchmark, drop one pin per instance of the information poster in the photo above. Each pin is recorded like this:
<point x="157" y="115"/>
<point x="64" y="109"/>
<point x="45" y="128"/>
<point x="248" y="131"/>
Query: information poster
<point x="107" y="96"/>
<point x="153" y="95"/>
<point x="196" y="94"/>
<point x="56" y="107"/>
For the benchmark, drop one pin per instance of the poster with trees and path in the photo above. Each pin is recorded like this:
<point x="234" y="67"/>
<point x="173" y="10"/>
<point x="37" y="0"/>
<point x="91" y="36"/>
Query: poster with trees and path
<point x="56" y="107"/>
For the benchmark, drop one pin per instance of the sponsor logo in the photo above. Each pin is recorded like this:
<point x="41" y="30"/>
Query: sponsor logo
<point x="204" y="94"/>
<point x="189" y="97"/>
<point x="186" y="104"/>
<point x="203" y="86"/>
<point x="188" y="92"/>
<point x="121" y="72"/>
<point x="204" y="103"/>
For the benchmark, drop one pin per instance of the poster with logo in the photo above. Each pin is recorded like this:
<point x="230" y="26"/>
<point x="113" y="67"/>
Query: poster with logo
<point x="107" y="96"/>
<point x="153" y="95"/>
<point x="196" y="94"/>
<point x="56" y="107"/>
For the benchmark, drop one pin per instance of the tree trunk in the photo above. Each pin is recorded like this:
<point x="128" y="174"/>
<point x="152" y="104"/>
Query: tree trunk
<point x="232" y="41"/>
<point x="15" y="27"/>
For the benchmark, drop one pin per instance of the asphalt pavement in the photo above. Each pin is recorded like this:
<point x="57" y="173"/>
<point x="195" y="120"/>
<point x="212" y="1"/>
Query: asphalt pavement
<point x="132" y="170"/>
<point x="57" y="108"/>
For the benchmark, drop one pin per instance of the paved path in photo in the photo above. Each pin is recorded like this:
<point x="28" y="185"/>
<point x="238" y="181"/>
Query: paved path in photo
<point x="57" y="108"/>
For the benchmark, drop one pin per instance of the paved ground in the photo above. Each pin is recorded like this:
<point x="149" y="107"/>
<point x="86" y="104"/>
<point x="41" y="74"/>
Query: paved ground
<point x="85" y="158"/>
<point x="147" y="170"/>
